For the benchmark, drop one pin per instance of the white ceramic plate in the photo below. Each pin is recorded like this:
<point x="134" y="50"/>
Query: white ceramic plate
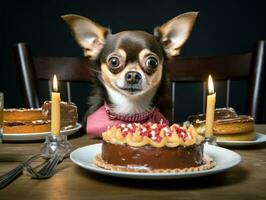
<point x="225" y="159"/>
<point x="36" y="136"/>
<point x="260" y="138"/>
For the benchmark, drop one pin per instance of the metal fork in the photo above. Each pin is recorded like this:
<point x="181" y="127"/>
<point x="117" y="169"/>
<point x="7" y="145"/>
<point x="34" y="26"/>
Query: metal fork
<point x="14" y="173"/>
<point x="48" y="169"/>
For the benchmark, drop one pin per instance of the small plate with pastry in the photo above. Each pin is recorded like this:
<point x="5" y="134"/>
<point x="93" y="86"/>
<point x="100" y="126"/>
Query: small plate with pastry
<point x="25" y="124"/>
<point x="230" y="129"/>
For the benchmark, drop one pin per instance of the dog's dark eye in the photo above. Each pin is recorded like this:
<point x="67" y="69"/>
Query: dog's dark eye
<point x="114" y="62"/>
<point x="151" y="63"/>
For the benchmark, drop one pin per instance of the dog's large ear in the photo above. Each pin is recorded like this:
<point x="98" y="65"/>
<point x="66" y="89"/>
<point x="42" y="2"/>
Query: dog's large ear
<point x="174" y="33"/>
<point x="89" y="35"/>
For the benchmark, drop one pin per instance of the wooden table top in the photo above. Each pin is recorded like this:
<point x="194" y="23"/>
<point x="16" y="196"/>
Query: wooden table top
<point x="245" y="181"/>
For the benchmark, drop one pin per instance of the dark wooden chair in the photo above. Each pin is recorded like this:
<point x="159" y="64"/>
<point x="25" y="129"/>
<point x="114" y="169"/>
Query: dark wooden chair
<point x="32" y="68"/>
<point x="249" y="66"/>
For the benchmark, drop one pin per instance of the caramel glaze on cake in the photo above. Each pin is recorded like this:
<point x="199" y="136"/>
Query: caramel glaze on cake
<point x="145" y="147"/>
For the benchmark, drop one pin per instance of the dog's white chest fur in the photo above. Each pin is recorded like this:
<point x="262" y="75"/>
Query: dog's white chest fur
<point x="122" y="104"/>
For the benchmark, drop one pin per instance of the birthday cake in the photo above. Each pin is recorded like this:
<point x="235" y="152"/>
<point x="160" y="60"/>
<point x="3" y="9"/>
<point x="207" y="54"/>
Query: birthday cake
<point x="153" y="148"/>
<point x="35" y="120"/>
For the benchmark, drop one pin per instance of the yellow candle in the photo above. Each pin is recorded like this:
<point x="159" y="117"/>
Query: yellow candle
<point x="55" y="115"/>
<point x="211" y="98"/>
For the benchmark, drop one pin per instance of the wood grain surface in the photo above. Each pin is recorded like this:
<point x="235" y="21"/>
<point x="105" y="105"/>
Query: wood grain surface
<point x="246" y="181"/>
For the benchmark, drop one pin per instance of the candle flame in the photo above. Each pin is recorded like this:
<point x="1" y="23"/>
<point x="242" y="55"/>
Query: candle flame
<point x="55" y="83"/>
<point x="210" y="85"/>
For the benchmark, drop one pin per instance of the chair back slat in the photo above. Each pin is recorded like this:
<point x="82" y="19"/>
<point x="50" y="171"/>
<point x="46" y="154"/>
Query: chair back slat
<point x="173" y="99"/>
<point x="50" y="87"/>
<point x="68" y="91"/>
<point x="257" y="82"/>
<point x="26" y="74"/>
<point x="228" y="83"/>
<point x="204" y="89"/>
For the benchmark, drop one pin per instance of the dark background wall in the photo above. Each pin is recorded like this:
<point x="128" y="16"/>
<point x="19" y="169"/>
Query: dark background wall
<point x="223" y="27"/>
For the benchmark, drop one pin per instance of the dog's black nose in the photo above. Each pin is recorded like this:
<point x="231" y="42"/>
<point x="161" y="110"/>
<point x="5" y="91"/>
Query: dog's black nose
<point x="132" y="77"/>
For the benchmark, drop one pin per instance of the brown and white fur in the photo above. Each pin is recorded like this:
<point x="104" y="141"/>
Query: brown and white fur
<point x="131" y="76"/>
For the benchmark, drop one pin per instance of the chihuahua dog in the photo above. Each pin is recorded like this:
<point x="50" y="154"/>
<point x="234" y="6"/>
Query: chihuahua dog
<point x="131" y="83"/>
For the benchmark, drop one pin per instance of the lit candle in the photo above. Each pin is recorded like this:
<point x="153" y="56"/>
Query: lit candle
<point x="211" y="98"/>
<point x="55" y="115"/>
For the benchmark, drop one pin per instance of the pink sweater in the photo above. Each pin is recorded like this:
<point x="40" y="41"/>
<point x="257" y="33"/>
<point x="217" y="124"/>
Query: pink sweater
<point x="98" y="121"/>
